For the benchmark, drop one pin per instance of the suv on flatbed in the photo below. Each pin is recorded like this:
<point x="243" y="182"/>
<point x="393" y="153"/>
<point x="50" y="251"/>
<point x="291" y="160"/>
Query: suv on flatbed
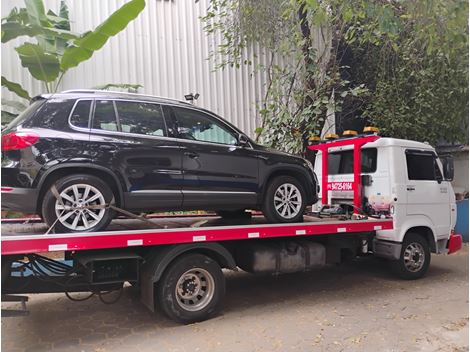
<point x="71" y="154"/>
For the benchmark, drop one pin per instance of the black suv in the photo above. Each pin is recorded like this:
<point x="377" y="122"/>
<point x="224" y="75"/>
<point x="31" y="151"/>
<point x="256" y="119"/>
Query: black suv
<point x="70" y="154"/>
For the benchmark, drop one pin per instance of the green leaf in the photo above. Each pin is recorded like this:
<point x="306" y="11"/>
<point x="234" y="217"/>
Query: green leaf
<point x="12" y="30"/>
<point x="37" y="13"/>
<point x="13" y="106"/>
<point x="83" y="48"/>
<point x="15" y="88"/>
<point x="7" y="117"/>
<point x="42" y="66"/>
<point x="16" y="15"/>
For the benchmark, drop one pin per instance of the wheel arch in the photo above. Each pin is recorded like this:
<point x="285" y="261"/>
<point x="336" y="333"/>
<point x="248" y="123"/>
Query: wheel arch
<point x="297" y="173"/>
<point x="62" y="170"/>
<point x="424" y="232"/>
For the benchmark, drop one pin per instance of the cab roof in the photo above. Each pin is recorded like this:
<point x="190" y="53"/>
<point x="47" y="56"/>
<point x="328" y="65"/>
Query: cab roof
<point x="389" y="142"/>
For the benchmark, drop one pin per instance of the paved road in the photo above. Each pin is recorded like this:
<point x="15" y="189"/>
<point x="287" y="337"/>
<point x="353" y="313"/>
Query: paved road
<point x="357" y="307"/>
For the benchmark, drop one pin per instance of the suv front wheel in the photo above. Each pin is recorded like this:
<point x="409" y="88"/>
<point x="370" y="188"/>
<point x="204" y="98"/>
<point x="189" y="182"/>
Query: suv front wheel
<point x="79" y="205"/>
<point x="285" y="200"/>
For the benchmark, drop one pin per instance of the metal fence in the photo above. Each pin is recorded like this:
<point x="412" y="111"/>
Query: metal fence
<point x="164" y="49"/>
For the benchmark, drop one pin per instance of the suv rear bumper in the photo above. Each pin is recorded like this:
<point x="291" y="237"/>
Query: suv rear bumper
<point x="20" y="199"/>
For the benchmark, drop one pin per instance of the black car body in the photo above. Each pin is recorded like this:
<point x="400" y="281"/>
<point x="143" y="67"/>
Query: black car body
<point x="154" y="154"/>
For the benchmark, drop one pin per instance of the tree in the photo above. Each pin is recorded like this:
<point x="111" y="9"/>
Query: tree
<point x="419" y="77"/>
<point x="390" y="41"/>
<point x="301" y="92"/>
<point x="57" y="49"/>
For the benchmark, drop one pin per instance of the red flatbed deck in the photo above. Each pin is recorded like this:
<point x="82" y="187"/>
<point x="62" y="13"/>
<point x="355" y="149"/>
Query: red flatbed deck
<point x="122" y="233"/>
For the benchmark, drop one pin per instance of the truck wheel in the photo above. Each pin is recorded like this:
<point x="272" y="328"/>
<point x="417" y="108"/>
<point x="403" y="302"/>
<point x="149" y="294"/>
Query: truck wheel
<point x="76" y="192"/>
<point x="414" y="259"/>
<point x="191" y="289"/>
<point x="285" y="200"/>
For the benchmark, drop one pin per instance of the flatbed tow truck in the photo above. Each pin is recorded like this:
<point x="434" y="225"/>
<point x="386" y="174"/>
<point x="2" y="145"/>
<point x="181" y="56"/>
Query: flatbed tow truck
<point x="177" y="265"/>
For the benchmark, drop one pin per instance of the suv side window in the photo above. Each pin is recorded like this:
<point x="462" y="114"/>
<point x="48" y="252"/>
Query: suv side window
<point x="105" y="116"/>
<point x="195" y="125"/>
<point x="140" y="118"/>
<point x="343" y="162"/>
<point x="422" y="166"/>
<point x="81" y="114"/>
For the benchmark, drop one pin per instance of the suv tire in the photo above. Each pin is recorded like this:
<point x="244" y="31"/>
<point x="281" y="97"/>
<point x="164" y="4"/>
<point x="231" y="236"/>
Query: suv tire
<point x="285" y="200"/>
<point x="77" y="194"/>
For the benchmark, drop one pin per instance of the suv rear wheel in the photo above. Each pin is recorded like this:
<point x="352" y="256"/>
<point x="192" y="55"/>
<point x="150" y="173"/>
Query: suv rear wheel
<point x="285" y="200"/>
<point x="80" y="205"/>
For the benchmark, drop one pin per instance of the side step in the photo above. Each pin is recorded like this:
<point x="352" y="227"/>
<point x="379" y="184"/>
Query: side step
<point x="15" y="312"/>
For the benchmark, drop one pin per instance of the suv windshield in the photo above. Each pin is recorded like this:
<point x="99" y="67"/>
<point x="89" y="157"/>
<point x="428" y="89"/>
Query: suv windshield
<point x="24" y="115"/>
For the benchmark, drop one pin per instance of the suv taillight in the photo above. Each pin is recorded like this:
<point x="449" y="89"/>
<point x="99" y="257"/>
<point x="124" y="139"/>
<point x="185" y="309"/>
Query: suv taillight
<point x="18" y="140"/>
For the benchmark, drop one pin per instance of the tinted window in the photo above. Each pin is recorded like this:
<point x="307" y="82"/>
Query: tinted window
<point x="343" y="162"/>
<point x="421" y="166"/>
<point x="195" y="125"/>
<point x="81" y="114"/>
<point x="141" y="118"/>
<point x="54" y="114"/>
<point x="105" y="117"/>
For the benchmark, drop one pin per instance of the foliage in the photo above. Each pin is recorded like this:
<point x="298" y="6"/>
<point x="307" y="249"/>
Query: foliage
<point x="408" y="72"/>
<point x="299" y="91"/>
<point x="57" y="49"/>
<point x="15" y="88"/>
<point x="131" y="88"/>
<point x="418" y="76"/>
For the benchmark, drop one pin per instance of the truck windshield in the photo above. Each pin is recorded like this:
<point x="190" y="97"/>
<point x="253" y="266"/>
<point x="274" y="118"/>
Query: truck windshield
<point x="343" y="162"/>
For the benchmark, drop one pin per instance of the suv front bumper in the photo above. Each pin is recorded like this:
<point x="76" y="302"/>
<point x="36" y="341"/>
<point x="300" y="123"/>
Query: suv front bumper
<point x="20" y="199"/>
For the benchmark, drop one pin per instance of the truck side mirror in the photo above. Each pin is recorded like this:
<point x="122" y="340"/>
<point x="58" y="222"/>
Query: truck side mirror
<point x="448" y="166"/>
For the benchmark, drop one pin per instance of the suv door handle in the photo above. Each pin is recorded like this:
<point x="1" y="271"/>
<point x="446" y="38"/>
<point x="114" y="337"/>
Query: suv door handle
<point x="410" y="188"/>
<point x="192" y="155"/>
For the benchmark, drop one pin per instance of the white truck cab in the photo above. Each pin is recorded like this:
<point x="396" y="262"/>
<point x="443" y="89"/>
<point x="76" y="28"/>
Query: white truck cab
<point x="401" y="179"/>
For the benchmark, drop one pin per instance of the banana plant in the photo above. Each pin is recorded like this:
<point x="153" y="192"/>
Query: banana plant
<point x="57" y="48"/>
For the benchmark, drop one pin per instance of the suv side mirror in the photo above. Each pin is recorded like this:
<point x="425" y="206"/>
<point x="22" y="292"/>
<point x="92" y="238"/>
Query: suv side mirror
<point x="448" y="166"/>
<point x="243" y="140"/>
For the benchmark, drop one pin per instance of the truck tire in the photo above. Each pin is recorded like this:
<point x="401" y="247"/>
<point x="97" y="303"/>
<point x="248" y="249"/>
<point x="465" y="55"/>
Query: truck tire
<point x="285" y="200"/>
<point x="77" y="191"/>
<point x="191" y="289"/>
<point x="415" y="258"/>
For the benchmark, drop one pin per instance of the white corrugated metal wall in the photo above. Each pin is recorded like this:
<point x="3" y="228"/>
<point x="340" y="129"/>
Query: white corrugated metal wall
<point x="164" y="49"/>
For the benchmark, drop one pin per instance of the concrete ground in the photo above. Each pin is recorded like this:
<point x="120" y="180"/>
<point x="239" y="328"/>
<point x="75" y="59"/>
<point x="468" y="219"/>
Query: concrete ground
<point x="355" y="307"/>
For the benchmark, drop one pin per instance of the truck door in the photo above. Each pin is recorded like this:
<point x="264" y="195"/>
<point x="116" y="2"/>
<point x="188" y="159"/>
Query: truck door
<point x="427" y="193"/>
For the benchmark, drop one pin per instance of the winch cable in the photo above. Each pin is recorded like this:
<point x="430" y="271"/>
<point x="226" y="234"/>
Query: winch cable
<point x="110" y="205"/>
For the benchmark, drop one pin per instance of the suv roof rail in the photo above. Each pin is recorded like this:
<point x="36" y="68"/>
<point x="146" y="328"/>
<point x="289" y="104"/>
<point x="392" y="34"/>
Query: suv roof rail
<point x="93" y="91"/>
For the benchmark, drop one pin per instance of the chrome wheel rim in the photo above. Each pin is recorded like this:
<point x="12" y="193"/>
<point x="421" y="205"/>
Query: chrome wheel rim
<point x="80" y="207"/>
<point x="195" y="289"/>
<point x="287" y="200"/>
<point x="414" y="257"/>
